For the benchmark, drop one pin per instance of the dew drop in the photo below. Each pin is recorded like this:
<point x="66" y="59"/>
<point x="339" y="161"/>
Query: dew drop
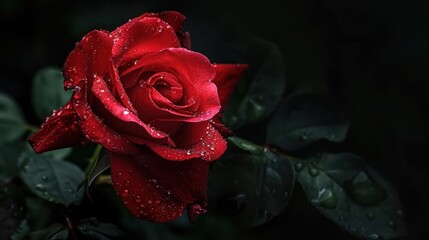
<point x="391" y="224"/>
<point x="188" y="152"/>
<point x="125" y="193"/>
<point x="126" y="111"/>
<point x="299" y="166"/>
<point x="326" y="198"/>
<point x="304" y="137"/>
<point x="373" y="236"/>
<point x="39" y="187"/>
<point x="313" y="172"/>
<point x="77" y="93"/>
<point x="364" y="190"/>
<point x="137" y="199"/>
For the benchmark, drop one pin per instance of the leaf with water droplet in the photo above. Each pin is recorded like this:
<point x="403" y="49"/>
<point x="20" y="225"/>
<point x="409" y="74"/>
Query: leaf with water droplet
<point x="12" y="123"/>
<point x="252" y="189"/>
<point x="246" y="145"/>
<point x="353" y="195"/>
<point x="256" y="98"/>
<point x="303" y="119"/>
<point x="60" y="176"/>
<point x="48" y="92"/>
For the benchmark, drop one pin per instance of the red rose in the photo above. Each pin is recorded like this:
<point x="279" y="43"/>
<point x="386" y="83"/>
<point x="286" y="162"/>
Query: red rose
<point x="154" y="105"/>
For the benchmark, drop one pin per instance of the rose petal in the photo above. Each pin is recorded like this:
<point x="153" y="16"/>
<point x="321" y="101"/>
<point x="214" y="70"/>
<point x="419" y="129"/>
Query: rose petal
<point x="209" y="147"/>
<point x="227" y="76"/>
<point x="194" y="71"/>
<point x="142" y="36"/>
<point x="173" y="18"/>
<point x="123" y="96"/>
<point x="59" y="131"/>
<point x="102" y="93"/>
<point x="158" y="190"/>
<point x="90" y="56"/>
<point x="94" y="128"/>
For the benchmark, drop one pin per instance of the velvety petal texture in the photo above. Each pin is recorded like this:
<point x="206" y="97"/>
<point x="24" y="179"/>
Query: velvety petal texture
<point x="158" y="190"/>
<point x="60" y="130"/>
<point x="154" y="105"/>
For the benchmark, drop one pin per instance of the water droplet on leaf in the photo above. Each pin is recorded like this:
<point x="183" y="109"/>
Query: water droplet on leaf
<point x="326" y="198"/>
<point x="365" y="191"/>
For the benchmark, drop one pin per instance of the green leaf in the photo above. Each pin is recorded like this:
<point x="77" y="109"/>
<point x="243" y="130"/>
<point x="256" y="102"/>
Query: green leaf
<point x="352" y="194"/>
<point x="246" y="145"/>
<point x="303" y="119"/>
<point x="50" y="179"/>
<point x="48" y="92"/>
<point x="9" y="155"/>
<point x="253" y="188"/>
<point x="102" y="164"/>
<point x="59" y="153"/>
<point x="53" y="232"/>
<point x="98" y="230"/>
<point x="12" y="123"/>
<point x="21" y="232"/>
<point x="39" y="213"/>
<point x="276" y="183"/>
<point x="256" y="98"/>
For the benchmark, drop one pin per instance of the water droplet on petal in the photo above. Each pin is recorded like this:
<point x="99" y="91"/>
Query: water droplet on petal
<point x="126" y="111"/>
<point x="125" y="193"/>
<point x="137" y="199"/>
<point x="77" y="92"/>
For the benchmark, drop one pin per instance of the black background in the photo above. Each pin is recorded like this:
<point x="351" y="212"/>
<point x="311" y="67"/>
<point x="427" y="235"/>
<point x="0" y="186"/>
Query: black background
<point x="370" y="57"/>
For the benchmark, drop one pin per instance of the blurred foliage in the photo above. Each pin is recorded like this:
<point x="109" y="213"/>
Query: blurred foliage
<point x="367" y="59"/>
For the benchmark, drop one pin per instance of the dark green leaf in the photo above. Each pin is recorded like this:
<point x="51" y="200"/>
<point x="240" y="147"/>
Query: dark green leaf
<point x="303" y="119"/>
<point x="59" y="153"/>
<point x="12" y="123"/>
<point x="276" y="184"/>
<point x="254" y="188"/>
<point x="53" y="180"/>
<point x="21" y="232"/>
<point x="352" y="194"/>
<point x="254" y="99"/>
<point x="39" y="213"/>
<point x="48" y="92"/>
<point x="98" y="230"/>
<point x="53" y="232"/>
<point x="246" y="145"/>
<point x="101" y="165"/>
<point x="9" y="155"/>
<point x="233" y="187"/>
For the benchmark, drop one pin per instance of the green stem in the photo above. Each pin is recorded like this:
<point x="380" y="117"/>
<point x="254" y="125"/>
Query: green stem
<point x="31" y="128"/>
<point x="93" y="159"/>
<point x="293" y="159"/>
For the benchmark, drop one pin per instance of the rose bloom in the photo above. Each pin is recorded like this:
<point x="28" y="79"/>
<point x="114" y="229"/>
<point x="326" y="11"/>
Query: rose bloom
<point x="154" y="105"/>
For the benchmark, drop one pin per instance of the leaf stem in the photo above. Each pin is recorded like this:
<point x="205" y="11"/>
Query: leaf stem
<point x="93" y="159"/>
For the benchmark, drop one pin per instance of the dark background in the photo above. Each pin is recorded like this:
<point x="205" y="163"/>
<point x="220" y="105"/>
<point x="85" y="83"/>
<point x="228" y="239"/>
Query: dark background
<point x="370" y="57"/>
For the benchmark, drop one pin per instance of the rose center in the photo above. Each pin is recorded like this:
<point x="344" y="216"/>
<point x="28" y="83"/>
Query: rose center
<point x="167" y="85"/>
